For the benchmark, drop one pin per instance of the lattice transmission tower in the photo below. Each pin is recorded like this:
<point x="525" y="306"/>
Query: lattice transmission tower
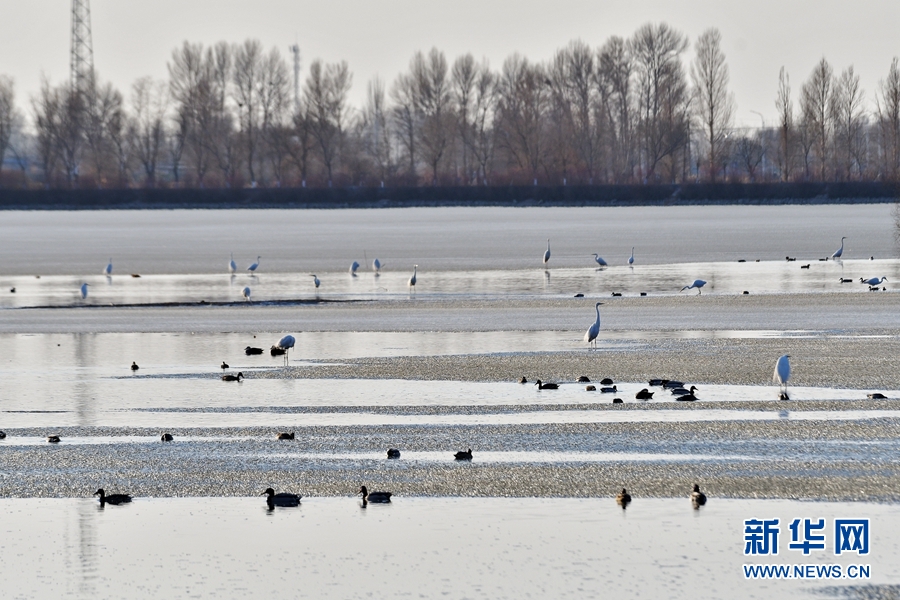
<point x="81" y="61"/>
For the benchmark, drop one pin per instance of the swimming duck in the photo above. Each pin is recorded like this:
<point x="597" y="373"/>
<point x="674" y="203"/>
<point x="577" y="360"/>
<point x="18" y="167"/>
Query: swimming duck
<point x="546" y="386"/>
<point x="53" y="439"/>
<point x="583" y="379"/>
<point x="250" y="350"/>
<point x="376" y="497"/>
<point x="671" y="384"/>
<point x="225" y="365"/>
<point x="686" y="398"/>
<point x="680" y="391"/>
<point x="698" y="498"/>
<point x="2" y="435"/>
<point x="112" y="498"/>
<point x="166" y="437"/>
<point x="393" y="453"/>
<point x="281" y="499"/>
<point x="463" y="455"/>
<point x="609" y="390"/>
<point x="618" y="401"/>
<point x="623" y="498"/>
<point x="237" y="377"/>
<point x="606" y="381"/>
<point x="285" y="436"/>
<point x="876" y="396"/>
<point x="522" y="380"/>
<point x="644" y="394"/>
<point x="134" y="366"/>
<point x="590" y="388"/>
<point x="276" y="351"/>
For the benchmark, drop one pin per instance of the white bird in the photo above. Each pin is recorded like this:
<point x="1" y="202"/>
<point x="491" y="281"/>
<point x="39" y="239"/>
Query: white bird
<point x="376" y="265"/>
<point x="873" y="280"/>
<point x="839" y="251"/>
<point x="594" y="330"/>
<point x="353" y="267"/>
<point x="782" y="374"/>
<point x="547" y="253"/>
<point x="232" y="266"/>
<point x="252" y="268"/>
<point x="246" y="293"/>
<point x="631" y="260"/>
<point x="412" y="280"/>
<point x="599" y="260"/>
<point x="698" y="283"/>
<point x="108" y="270"/>
<point x="315" y="280"/>
<point x="84" y="291"/>
<point x="286" y="343"/>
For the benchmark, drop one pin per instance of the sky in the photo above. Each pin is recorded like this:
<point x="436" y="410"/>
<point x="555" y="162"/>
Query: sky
<point x="378" y="37"/>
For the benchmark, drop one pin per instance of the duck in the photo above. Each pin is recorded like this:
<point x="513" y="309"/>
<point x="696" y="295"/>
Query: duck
<point x="644" y="394"/>
<point x="376" y="497"/>
<point x="112" y="498"/>
<point x="590" y="388"/>
<point x="285" y="436"/>
<point x="134" y="366"/>
<point x="393" y="453"/>
<point x="276" y="351"/>
<point x="657" y="382"/>
<point x="583" y="379"/>
<point x="281" y="499"/>
<point x="230" y="377"/>
<point x="698" y="498"/>
<point x="845" y="280"/>
<point x="623" y="498"/>
<point x="680" y="391"/>
<point x="250" y="350"/>
<point x="2" y="435"/>
<point x="876" y="396"/>
<point x="806" y="266"/>
<point x="686" y="398"/>
<point x="53" y="439"/>
<point x="523" y="380"/>
<point x="546" y="386"/>
<point x="606" y="381"/>
<point x="671" y="383"/>
<point x="467" y="455"/>
<point x="166" y="437"/>
<point x="224" y="365"/>
<point x="609" y="390"/>
<point x="618" y="401"/>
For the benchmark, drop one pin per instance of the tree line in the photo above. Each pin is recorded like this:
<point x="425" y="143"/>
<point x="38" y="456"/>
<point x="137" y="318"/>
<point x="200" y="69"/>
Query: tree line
<point x="635" y="110"/>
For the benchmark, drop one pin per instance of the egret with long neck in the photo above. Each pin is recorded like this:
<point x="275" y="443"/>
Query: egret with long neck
<point x="594" y="330"/>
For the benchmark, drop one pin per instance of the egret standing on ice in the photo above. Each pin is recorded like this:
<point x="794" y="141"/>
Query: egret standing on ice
<point x="84" y="287"/>
<point x="547" y="253"/>
<point x="839" y="251"/>
<point x="232" y="266"/>
<point x="698" y="283"/>
<point x="315" y="280"/>
<point x="631" y="260"/>
<point x="353" y="267"/>
<point x="599" y="260"/>
<point x="782" y="374"/>
<point x="376" y="265"/>
<point x="412" y="280"/>
<point x="594" y="330"/>
<point x="252" y="268"/>
<point x="246" y="293"/>
<point x="286" y="343"/>
<point x="108" y="270"/>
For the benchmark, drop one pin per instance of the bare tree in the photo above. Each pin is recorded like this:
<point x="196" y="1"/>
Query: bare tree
<point x="523" y="106"/>
<point x="275" y="104"/>
<point x="10" y="118"/>
<point x="481" y="136"/>
<point x="748" y="154"/>
<point x="325" y="94"/>
<point x="616" y="71"/>
<point x="888" y="107"/>
<point x="149" y="104"/>
<point x="247" y="76"/>
<point x="375" y="130"/>
<point x="785" y="107"/>
<point x="815" y="107"/>
<point x="406" y="120"/>
<point x="462" y="78"/>
<point x="849" y="119"/>
<point x="58" y="121"/>
<point x="431" y="98"/>
<point x="714" y="104"/>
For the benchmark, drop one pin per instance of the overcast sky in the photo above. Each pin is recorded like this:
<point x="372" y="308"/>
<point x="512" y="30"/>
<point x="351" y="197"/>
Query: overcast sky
<point x="378" y="37"/>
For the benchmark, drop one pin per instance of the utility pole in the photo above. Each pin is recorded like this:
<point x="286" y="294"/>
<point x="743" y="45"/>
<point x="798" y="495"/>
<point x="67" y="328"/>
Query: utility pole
<point x="81" y="60"/>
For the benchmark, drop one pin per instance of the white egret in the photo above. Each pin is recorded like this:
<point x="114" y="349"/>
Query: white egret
<point x="782" y="374"/>
<point x="353" y="267"/>
<point x="232" y="266"/>
<point x="108" y="270"/>
<point x="547" y="253"/>
<point x="246" y="293"/>
<point x="599" y="260"/>
<point x="698" y="283"/>
<point x="84" y="290"/>
<point x="839" y="251"/>
<point x="631" y="260"/>
<point x="594" y="330"/>
<point x="286" y="343"/>
<point x="873" y="280"/>
<point x="376" y="265"/>
<point x="315" y="280"/>
<point x="412" y="280"/>
<point x="252" y="268"/>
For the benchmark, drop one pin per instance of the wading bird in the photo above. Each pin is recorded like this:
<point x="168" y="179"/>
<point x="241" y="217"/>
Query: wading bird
<point x="782" y="374"/>
<point x="376" y="497"/>
<point x="316" y="281"/>
<point x="412" y="280"/>
<point x="286" y="343"/>
<point x="873" y="281"/>
<point x="593" y="331"/>
<point x="698" y="283"/>
<point x="112" y="498"/>
<point x="252" y="268"/>
<point x="599" y="260"/>
<point x="547" y="253"/>
<point x="232" y="266"/>
<point x="631" y="259"/>
<point x="837" y="253"/>
<point x="281" y="499"/>
<point x="108" y="270"/>
<point x="353" y="267"/>
<point x="246" y="293"/>
<point x="376" y="265"/>
<point x="84" y="290"/>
